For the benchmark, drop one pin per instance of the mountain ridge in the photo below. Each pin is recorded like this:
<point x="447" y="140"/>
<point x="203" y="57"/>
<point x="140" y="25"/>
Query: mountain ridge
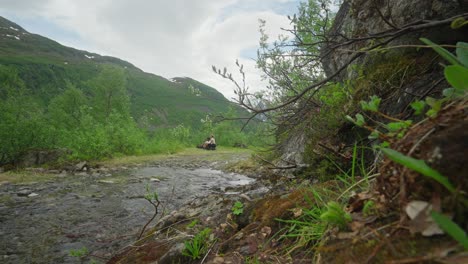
<point x="46" y="67"/>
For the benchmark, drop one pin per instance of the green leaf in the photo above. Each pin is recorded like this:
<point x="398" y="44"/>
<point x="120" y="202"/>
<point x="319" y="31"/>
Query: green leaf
<point x="457" y="76"/>
<point x="335" y="215"/>
<point x="360" y="120"/>
<point x="432" y="113"/>
<point x="452" y="93"/>
<point x="462" y="52"/>
<point x="372" y="105"/>
<point x="385" y="144"/>
<point x="458" y="23"/>
<point x="442" y="52"/>
<point x="350" y="119"/>
<point x="418" y="107"/>
<point x="450" y="228"/>
<point x="237" y="208"/>
<point x="374" y="135"/>
<point x="419" y="166"/>
<point x="435" y="106"/>
<point x="397" y="126"/>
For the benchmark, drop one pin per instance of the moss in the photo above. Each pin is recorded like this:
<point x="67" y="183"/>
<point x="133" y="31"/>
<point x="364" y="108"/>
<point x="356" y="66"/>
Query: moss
<point x="269" y="209"/>
<point x="387" y="73"/>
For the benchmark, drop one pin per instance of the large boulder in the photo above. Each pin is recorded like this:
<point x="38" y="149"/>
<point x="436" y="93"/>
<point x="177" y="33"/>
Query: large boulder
<point x="365" y="18"/>
<point x="398" y="75"/>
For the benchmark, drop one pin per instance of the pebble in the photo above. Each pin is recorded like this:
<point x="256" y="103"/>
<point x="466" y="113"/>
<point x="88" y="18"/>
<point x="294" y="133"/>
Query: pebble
<point x="33" y="195"/>
<point x="218" y="260"/>
<point x="24" y="192"/>
<point x="106" y="181"/>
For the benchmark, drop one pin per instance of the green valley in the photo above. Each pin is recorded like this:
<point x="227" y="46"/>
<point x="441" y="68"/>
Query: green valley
<point x="54" y="96"/>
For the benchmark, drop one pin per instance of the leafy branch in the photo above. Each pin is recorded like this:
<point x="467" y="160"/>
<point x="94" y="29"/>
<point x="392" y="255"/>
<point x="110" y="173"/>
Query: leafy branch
<point x="153" y="199"/>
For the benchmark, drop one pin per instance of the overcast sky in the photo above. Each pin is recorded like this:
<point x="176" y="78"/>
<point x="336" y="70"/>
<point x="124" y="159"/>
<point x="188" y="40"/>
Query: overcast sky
<point x="171" y="38"/>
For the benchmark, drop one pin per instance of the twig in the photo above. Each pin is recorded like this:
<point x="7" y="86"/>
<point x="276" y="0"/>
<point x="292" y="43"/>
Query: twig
<point x="378" y="229"/>
<point x="207" y="253"/>
<point x="432" y="88"/>
<point x="388" y="35"/>
<point x="275" y="166"/>
<point x="357" y="183"/>
<point x="384" y="19"/>
<point x="420" y="141"/>
<point x="155" y="205"/>
<point x="333" y="151"/>
<point x="377" y="248"/>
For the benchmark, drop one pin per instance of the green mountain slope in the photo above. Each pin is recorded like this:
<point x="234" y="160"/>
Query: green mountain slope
<point x="46" y="67"/>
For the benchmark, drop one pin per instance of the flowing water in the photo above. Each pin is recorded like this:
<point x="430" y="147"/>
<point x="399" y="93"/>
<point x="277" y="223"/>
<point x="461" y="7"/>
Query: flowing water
<point x="42" y="222"/>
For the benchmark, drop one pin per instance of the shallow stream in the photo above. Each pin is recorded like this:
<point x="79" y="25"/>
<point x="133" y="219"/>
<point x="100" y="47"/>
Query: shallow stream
<point x="42" y="222"/>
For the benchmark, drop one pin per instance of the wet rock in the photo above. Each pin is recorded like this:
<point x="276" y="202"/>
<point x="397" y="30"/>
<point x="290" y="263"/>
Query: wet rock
<point x="174" y="254"/>
<point x="106" y="181"/>
<point x="103" y="169"/>
<point x="24" y="192"/>
<point x="81" y="166"/>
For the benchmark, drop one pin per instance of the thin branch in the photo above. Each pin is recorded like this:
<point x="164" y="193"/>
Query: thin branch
<point x="155" y="205"/>
<point x="275" y="166"/>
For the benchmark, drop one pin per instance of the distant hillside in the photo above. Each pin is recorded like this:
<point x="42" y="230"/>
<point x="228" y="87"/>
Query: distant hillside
<point x="47" y="66"/>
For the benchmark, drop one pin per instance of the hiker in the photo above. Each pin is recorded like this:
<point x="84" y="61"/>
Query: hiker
<point x="206" y="143"/>
<point x="212" y="143"/>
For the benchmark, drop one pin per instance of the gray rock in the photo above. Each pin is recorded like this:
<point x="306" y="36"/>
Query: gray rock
<point x="81" y="166"/>
<point x="106" y="181"/>
<point x="33" y="195"/>
<point x="174" y="254"/>
<point x="24" y="192"/>
<point x="360" y="18"/>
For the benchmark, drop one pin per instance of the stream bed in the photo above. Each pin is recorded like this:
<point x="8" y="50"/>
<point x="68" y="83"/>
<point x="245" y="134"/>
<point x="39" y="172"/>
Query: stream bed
<point x="43" y="222"/>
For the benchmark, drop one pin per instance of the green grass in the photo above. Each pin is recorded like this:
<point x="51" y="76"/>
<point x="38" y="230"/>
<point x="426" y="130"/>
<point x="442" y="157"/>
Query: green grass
<point x="185" y="152"/>
<point x="24" y="177"/>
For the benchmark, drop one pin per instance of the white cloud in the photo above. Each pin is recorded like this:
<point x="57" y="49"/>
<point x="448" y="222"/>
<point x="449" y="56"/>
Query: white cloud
<point x="168" y="38"/>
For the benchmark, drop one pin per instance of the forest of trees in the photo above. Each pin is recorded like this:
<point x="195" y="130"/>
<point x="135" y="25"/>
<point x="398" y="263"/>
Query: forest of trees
<point x="96" y="122"/>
